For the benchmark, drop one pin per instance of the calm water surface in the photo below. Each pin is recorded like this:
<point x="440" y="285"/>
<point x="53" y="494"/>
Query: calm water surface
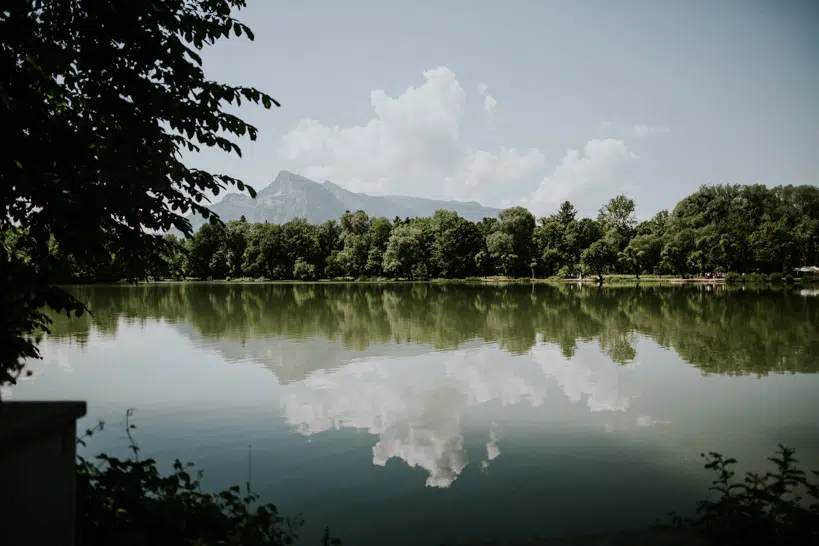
<point x="415" y="413"/>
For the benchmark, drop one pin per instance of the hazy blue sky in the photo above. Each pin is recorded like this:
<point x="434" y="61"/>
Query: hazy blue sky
<point x="530" y="102"/>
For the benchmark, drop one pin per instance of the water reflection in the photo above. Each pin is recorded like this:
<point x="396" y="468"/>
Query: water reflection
<point x="348" y="355"/>
<point x="415" y="407"/>
<point x="732" y="332"/>
<point x="547" y="410"/>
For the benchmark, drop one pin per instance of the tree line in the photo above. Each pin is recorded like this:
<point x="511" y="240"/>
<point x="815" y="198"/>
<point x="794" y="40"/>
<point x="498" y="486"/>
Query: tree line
<point x="720" y="228"/>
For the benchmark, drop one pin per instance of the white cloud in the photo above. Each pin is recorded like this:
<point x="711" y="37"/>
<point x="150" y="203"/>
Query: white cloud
<point x="480" y="169"/>
<point x="646" y="421"/>
<point x="412" y="145"/>
<point x="415" y="144"/>
<point x="489" y="103"/>
<point x="643" y="130"/>
<point x="598" y="164"/>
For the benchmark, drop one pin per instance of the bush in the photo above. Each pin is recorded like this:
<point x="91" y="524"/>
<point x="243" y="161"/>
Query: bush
<point x="734" y="278"/>
<point x="810" y="279"/>
<point x="789" y="278"/>
<point x="780" y="507"/>
<point x="303" y="271"/>
<point x="567" y="272"/>
<point x="775" y="278"/>
<point x="755" y="278"/>
<point x="129" y="503"/>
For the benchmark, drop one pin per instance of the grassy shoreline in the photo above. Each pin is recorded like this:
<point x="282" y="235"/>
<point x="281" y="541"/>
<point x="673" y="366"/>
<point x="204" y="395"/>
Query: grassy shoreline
<point x="609" y="280"/>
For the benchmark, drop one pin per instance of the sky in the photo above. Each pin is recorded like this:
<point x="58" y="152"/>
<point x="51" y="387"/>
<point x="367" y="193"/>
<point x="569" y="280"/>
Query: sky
<point x="528" y="102"/>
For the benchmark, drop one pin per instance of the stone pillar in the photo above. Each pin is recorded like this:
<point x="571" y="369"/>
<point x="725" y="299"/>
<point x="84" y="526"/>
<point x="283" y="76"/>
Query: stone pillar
<point x="38" y="472"/>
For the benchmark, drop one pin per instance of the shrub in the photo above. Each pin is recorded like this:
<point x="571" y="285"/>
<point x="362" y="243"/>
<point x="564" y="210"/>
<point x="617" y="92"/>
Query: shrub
<point x="789" y="278"/>
<point x="303" y="271"/>
<point x="810" y="279"/>
<point x="755" y="278"/>
<point x="567" y="271"/>
<point x="775" y="277"/>
<point x="129" y="503"/>
<point x="734" y="278"/>
<point x="780" y="507"/>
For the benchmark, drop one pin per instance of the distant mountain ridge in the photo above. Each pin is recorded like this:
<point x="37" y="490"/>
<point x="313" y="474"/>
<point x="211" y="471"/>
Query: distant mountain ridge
<point x="292" y="196"/>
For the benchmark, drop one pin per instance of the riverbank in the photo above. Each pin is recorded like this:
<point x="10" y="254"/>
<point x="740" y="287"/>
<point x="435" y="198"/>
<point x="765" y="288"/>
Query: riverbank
<point x="609" y="280"/>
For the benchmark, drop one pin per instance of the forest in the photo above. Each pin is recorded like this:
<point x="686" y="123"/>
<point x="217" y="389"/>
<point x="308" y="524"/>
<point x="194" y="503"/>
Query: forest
<point x="719" y="228"/>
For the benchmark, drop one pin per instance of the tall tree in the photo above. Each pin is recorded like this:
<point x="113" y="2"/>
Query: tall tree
<point x="403" y="251"/>
<point x="380" y="231"/>
<point x="97" y="101"/>
<point x="519" y="224"/>
<point x="617" y="218"/>
<point x="598" y="257"/>
<point x="566" y="213"/>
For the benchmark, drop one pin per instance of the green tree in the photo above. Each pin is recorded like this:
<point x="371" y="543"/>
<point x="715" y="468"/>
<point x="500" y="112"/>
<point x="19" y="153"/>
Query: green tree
<point x="551" y="260"/>
<point x="618" y="216"/>
<point x="598" y="257"/>
<point x="677" y="251"/>
<point x="99" y="100"/>
<point x="643" y="253"/>
<point x="566" y="214"/>
<point x="354" y="237"/>
<point x="519" y="224"/>
<point x="655" y="226"/>
<point x="457" y="242"/>
<point x="403" y="251"/>
<point x="266" y="252"/>
<point x="501" y="248"/>
<point x="579" y="236"/>
<point x="304" y="271"/>
<point x="205" y="251"/>
<point x="235" y="245"/>
<point x="774" y="247"/>
<point x="380" y="231"/>
<point x="328" y="238"/>
<point x="551" y="243"/>
<point x="301" y="242"/>
<point x="174" y="258"/>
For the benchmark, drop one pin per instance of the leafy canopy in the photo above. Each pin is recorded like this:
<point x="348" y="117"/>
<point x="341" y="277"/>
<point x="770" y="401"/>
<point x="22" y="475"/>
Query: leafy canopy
<point x="98" y="101"/>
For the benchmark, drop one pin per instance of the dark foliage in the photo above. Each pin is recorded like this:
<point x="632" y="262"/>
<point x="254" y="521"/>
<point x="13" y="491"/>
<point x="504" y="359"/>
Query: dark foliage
<point x="775" y="508"/>
<point x="128" y="502"/>
<point x="97" y="102"/>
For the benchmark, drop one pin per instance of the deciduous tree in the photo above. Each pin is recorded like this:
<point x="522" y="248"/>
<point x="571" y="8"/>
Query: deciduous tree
<point x="98" y="100"/>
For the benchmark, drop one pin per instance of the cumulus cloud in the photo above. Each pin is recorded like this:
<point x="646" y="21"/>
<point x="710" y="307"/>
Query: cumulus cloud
<point x="412" y="145"/>
<point x="643" y="130"/>
<point x="598" y="164"/>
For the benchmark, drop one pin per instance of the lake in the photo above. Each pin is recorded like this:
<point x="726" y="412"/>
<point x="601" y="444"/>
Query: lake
<point x="421" y="413"/>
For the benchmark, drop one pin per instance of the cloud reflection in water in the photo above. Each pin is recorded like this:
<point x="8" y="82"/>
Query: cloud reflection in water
<point x="415" y="405"/>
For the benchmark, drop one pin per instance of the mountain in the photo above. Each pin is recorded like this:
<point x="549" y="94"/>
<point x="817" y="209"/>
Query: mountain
<point x="292" y="196"/>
